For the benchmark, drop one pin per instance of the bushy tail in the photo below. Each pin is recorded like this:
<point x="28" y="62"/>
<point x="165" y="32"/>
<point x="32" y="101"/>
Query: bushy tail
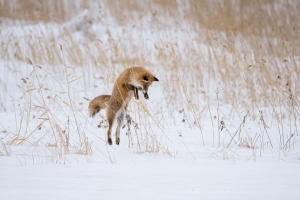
<point x="98" y="103"/>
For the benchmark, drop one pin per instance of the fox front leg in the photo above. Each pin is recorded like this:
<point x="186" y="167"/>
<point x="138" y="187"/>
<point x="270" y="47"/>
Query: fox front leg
<point x="136" y="93"/>
<point x="130" y="87"/>
<point x="146" y="96"/>
<point x="108" y="135"/>
<point x="120" y="120"/>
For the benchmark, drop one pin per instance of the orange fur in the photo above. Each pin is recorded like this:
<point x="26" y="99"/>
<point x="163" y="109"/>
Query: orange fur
<point x="126" y="86"/>
<point x="98" y="103"/>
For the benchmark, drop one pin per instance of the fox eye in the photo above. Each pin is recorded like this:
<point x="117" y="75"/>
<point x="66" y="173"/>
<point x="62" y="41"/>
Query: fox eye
<point x="145" y="79"/>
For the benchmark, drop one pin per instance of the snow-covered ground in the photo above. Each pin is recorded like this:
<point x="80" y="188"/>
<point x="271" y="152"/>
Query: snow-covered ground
<point x="186" y="142"/>
<point x="150" y="177"/>
<point x="192" y="171"/>
<point x="189" y="171"/>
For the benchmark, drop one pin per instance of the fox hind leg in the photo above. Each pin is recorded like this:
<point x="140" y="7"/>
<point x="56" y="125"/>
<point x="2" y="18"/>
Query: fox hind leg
<point x="120" y="120"/>
<point x="110" y="124"/>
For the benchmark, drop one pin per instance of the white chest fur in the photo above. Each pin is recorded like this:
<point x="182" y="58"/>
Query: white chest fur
<point x="129" y="97"/>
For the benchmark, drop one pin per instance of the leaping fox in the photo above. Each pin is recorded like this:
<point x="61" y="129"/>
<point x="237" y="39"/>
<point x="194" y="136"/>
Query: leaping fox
<point x="127" y="85"/>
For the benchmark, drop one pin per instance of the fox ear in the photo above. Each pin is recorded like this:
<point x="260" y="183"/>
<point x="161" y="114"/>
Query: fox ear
<point x="155" y="79"/>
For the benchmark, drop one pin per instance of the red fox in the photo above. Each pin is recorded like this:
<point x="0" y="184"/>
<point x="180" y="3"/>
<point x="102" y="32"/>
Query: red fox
<point x="127" y="85"/>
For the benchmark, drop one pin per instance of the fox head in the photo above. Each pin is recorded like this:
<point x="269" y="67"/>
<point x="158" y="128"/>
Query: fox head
<point x="142" y="79"/>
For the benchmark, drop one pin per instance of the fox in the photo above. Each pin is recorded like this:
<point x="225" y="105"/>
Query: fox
<point x="127" y="85"/>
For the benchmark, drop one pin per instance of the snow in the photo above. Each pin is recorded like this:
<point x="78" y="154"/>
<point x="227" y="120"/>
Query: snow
<point x="51" y="149"/>
<point x="190" y="171"/>
<point x="188" y="175"/>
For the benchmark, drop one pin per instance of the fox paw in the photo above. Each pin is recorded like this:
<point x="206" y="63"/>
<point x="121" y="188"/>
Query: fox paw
<point x="146" y="95"/>
<point x="117" y="141"/>
<point x="109" y="141"/>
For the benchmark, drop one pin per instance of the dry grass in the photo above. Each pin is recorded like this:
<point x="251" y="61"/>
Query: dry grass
<point x="244" y="54"/>
<point x="39" y="128"/>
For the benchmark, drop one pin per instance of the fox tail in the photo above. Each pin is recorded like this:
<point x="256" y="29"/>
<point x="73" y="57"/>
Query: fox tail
<point x="98" y="103"/>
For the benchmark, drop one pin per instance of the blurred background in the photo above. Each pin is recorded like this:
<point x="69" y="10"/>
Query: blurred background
<point x="244" y="16"/>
